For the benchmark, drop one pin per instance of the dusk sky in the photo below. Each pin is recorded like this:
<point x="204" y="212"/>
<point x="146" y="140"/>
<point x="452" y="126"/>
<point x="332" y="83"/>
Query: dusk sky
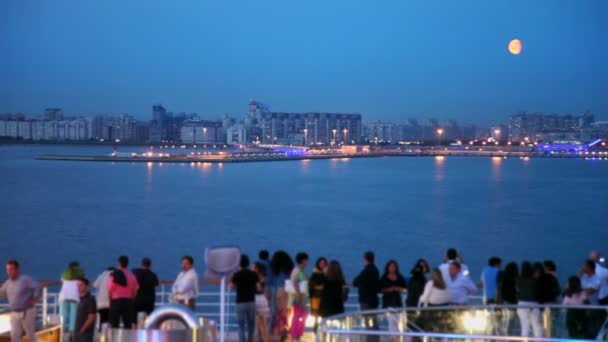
<point x="389" y="60"/>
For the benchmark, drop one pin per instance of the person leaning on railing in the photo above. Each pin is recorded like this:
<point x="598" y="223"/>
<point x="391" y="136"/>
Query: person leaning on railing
<point x="185" y="288"/>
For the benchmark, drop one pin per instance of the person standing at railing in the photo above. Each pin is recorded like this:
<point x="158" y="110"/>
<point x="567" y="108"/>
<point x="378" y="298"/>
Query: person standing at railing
<point x="417" y="282"/>
<point x="591" y="283"/>
<point x="245" y="282"/>
<point x="85" y="313"/>
<point x="435" y="293"/>
<point x="460" y="285"/>
<point x="315" y="288"/>
<point x="602" y="273"/>
<point x="575" y="318"/>
<point x="69" y="296"/>
<point x="489" y="279"/>
<point x="123" y="288"/>
<point x="148" y="282"/>
<point x="368" y="283"/>
<point x="264" y="259"/>
<point x="262" y="309"/>
<point x="102" y="296"/>
<point x="299" y="297"/>
<point x="452" y="256"/>
<point x="335" y="292"/>
<point x="508" y="294"/>
<point x="549" y="292"/>
<point x="185" y="287"/>
<point x="527" y="294"/>
<point x="22" y="293"/>
<point x="281" y="265"/>
<point x="392" y="286"/>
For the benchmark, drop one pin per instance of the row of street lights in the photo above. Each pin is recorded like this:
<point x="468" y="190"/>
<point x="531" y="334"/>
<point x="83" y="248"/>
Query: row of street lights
<point x="334" y="131"/>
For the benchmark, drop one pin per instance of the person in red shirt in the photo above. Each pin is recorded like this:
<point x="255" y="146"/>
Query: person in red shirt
<point x="122" y="287"/>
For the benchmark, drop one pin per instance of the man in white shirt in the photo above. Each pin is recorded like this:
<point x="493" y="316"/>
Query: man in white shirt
<point x="590" y="281"/>
<point x="450" y="257"/>
<point x="185" y="288"/>
<point x="602" y="273"/>
<point x="460" y="285"/>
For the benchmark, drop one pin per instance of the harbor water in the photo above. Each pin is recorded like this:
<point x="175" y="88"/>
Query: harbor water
<point x="52" y="212"/>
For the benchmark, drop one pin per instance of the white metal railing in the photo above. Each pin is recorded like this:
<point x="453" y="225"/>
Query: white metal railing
<point x="207" y="304"/>
<point x="472" y="322"/>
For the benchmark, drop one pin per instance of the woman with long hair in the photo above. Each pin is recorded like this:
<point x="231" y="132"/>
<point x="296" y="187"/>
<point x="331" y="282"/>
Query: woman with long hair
<point x="280" y="266"/>
<point x="261" y="302"/>
<point x="415" y="285"/>
<point x="507" y="294"/>
<point x="527" y="295"/>
<point x="436" y="292"/>
<point x="315" y="288"/>
<point x="334" y="292"/>
<point x="575" y="318"/>
<point x="392" y="285"/>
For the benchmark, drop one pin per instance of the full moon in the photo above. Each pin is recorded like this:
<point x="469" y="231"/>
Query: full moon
<point x="515" y="46"/>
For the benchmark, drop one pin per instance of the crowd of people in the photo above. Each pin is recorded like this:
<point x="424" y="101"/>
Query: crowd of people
<point x="275" y="295"/>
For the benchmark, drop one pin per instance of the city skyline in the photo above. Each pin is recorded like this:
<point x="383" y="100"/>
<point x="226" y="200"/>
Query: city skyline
<point x="390" y="61"/>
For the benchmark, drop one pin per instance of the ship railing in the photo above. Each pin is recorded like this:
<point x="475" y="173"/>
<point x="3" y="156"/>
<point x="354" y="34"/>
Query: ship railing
<point x="469" y="322"/>
<point x="207" y="304"/>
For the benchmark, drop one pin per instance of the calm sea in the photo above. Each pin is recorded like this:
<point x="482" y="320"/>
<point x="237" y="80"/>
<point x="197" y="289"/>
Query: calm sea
<point x="402" y="208"/>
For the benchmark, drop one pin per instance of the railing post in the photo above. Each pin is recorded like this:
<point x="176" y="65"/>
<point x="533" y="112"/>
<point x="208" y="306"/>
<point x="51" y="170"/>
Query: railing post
<point x="45" y="305"/>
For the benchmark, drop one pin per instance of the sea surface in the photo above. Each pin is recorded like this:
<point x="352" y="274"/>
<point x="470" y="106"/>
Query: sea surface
<point x="404" y="208"/>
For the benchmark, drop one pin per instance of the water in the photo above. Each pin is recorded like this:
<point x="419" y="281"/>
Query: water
<point x="403" y="208"/>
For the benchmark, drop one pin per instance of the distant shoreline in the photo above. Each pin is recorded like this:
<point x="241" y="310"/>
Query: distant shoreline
<point x="219" y="160"/>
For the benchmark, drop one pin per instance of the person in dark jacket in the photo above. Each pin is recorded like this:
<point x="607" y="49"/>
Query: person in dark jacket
<point x="334" y="292"/>
<point x="148" y="282"/>
<point x="415" y="285"/>
<point x="508" y="281"/>
<point x="548" y="290"/>
<point x="527" y="295"/>
<point x="315" y="286"/>
<point x="368" y="283"/>
<point x="392" y="285"/>
<point x="507" y="295"/>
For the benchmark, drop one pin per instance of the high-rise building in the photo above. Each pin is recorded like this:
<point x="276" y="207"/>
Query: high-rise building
<point x="236" y="134"/>
<point x="158" y="129"/>
<point x="316" y="128"/>
<point x="539" y="126"/>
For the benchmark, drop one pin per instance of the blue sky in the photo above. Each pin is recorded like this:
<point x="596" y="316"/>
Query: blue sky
<point x="386" y="59"/>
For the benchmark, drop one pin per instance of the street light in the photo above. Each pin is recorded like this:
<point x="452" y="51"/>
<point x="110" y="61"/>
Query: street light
<point x="439" y="134"/>
<point x="334" y="132"/>
<point x="204" y="134"/>
<point x="497" y="134"/>
<point x="305" y="136"/>
<point x="345" y="133"/>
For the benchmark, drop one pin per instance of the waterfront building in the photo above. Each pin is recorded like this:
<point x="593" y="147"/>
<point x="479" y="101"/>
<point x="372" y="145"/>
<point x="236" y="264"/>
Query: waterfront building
<point x="202" y="132"/>
<point x="24" y="130"/>
<point x="535" y="126"/>
<point x="12" y="129"/>
<point x="236" y="134"/>
<point x="310" y="128"/>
